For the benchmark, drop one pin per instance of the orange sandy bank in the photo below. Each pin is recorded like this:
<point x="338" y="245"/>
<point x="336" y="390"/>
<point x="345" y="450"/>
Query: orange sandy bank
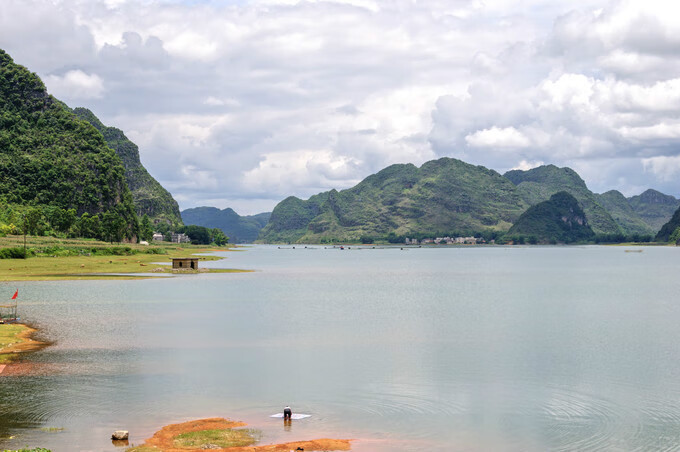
<point x="25" y="344"/>
<point x="164" y="438"/>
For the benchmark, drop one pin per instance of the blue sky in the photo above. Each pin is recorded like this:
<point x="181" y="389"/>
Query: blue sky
<point x="242" y="103"/>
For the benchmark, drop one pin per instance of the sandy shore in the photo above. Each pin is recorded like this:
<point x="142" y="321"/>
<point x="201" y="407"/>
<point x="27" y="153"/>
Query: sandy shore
<point x="25" y="344"/>
<point x="163" y="440"/>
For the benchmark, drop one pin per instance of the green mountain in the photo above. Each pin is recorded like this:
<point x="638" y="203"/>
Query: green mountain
<point x="239" y="229"/>
<point x="560" y="219"/>
<point x="149" y="196"/>
<point x="670" y="229"/>
<point x="49" y="157"/>
<point x="539" y="184"/>
<point x="620" y="209"/>
<point x="654" y="207"/>
<point x="442" y="195"/>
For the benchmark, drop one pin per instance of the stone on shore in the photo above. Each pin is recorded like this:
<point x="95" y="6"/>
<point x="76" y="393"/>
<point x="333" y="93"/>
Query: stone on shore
<point x="120" y="434"/>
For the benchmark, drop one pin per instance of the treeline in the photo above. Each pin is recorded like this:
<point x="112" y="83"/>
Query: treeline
<point x="199" y="235"/>
<point x="110" y="226"/>
<point x="47" y="220"/>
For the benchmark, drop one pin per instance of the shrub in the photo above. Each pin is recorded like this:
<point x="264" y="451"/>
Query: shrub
<point x="12" y="253"/>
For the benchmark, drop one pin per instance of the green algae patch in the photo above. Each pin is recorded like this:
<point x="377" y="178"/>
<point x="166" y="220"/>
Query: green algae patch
<point x="222" y="438"/>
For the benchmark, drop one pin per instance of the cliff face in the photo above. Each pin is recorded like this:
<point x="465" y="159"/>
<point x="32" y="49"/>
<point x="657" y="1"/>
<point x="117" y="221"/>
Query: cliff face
<point x="149" y="196"/>
<point x="49" y="157"/>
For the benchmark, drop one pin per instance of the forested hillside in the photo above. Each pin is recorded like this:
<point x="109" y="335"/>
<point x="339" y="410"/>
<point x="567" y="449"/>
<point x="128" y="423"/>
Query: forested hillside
<point x="149" y="197"/>
<point x="557" y="220"/>
<point x="442" y="195"/>
<point x="539" y="184"/>
<point x="54" y="164"/>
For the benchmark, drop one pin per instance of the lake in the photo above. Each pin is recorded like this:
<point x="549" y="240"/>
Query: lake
<point x="420" y="349"/>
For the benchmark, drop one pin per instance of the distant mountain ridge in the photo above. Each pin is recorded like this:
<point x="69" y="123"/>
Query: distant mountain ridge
<point x="447" y="195"/>
<point x="442" y="195"/>
<point x="149" y="196"/>
<point x="539" y="184"/>
<point x="654" y="207"/>
<point x="239" y="229"/>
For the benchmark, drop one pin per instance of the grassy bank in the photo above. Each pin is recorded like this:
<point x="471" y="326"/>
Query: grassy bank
<point x="13" y="338"/>
<point x="54" y="259"/>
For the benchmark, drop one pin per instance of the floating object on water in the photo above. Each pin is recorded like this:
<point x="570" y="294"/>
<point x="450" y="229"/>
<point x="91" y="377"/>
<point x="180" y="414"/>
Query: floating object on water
<point x="294" y="416"/>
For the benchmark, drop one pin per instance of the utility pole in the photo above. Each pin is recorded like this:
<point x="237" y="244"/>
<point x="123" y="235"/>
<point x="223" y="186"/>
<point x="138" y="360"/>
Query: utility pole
<point x="25" y="236"/>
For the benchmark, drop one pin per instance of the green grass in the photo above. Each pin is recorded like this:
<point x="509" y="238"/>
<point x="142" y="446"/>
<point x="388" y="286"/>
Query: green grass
<point x="8" y="336"/>
<point x="58" y="259"/>
<point x="223" y="438"/>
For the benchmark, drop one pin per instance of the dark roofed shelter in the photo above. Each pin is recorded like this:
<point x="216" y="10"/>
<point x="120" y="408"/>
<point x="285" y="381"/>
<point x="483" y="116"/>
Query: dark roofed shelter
<point x="185" y="263"/>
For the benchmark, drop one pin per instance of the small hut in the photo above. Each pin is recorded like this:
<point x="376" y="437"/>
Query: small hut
<point x="185" y="263"/>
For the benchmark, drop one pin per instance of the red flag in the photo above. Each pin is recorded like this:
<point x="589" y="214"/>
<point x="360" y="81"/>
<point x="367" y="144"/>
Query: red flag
<point x="14" y="297"/>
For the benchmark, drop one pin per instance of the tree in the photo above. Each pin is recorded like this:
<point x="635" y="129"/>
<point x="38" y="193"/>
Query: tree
<point x="219" y="238"/>
<point x="146" y="229"/>
<point x="675" y="236"/>
<point x="113" y="227"/>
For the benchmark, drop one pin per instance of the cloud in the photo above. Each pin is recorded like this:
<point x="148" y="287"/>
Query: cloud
<point x="666" y="168"/>
<point x="75" y="84"/>
<point x="508" y="137"/>
<point x="260" y="99"/>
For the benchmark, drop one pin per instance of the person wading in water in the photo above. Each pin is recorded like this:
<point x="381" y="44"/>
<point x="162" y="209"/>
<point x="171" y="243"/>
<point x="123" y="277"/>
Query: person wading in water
<point x="287" y="413"/>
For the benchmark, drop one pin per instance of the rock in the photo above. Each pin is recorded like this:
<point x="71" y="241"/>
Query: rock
<point x="120" y="434"/>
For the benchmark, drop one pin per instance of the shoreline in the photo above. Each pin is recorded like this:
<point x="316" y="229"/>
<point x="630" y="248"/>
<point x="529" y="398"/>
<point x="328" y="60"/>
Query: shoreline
<point x="163" y="439"/>
<point x="24" y="344"/>
<point x="108" y="267"/>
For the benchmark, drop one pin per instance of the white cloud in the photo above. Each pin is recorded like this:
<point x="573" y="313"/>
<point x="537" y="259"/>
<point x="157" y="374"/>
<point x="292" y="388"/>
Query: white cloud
<point x="260" y="99"/>
<point x="75" y="84"/>
<point x="667" y="168"/>
<point x="525" y="165"/>
<point x="507" y="137"/>
<point x="300" y="169"/>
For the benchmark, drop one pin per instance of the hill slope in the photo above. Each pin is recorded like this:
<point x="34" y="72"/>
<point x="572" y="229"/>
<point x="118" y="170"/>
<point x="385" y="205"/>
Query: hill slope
<point x="239" y="229"/>
<point x="620" y="209"/>
<point x="668" y="229"/>
<point x="149" y="196"/>
<point x="539" y="184"/>
<point x="654" y="207"/>
<point x="442" y="195"/>
<point x="560" y="219"/>
<point x="50" y="157"/>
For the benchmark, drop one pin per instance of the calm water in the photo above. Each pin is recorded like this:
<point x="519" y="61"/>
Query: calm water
<point x="470" y="349"/>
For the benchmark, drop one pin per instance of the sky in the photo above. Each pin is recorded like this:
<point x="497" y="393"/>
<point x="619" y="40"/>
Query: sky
<point x="241" y="103"/>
